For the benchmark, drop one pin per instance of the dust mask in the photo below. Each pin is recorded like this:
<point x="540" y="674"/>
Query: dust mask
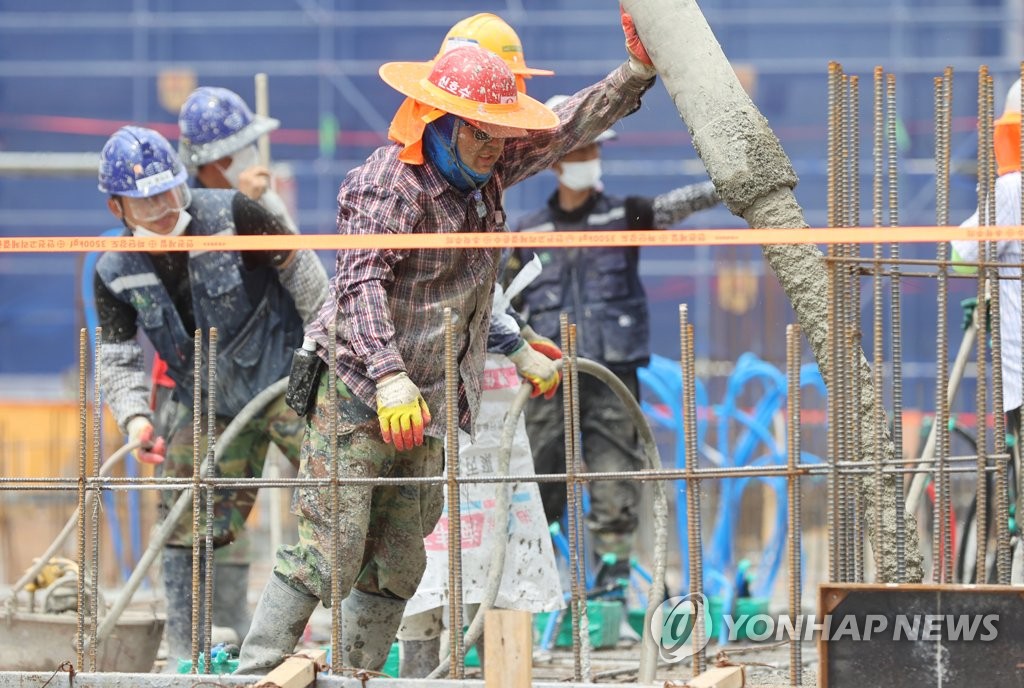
<point x="240" y="162"/>
<point x="580" y="176"/>
<point x="179" y="228"/>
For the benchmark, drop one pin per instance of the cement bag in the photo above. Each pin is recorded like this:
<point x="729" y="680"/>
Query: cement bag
<point x="530" y="581"/>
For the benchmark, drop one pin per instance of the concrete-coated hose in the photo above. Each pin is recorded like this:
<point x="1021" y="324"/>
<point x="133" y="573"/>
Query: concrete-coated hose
<point x="69" y="527"/>
<point x="166" y="527"/>
<point x="649" y="651"/>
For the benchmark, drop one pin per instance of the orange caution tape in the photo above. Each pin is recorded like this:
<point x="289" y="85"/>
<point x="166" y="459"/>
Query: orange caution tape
<point x="690" y="237"/>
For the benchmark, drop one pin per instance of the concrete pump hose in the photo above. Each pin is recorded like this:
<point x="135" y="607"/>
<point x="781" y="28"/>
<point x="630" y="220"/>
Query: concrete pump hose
<point x="166" y="527"/>
<point x="649" y="652"/>
<point x="69" y="527"/>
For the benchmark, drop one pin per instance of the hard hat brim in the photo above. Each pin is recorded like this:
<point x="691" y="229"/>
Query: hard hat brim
<point x="527" y="114"/>
<point x="194" y="155"/>
<point x="1008" y="118"/>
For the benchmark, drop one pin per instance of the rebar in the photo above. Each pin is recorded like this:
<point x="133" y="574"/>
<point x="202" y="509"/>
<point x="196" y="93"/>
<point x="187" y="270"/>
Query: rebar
<point x="83" y="449"/>
<point x="693" y="501"/>
<point x="832" y="375"/>
<point x="896" y="337"/>
<point x="97" y="416"/>
<point x="211" y="445"/>
<point x="940" y="527"/>
<point x="197" y="427"/>
<point x="853" y="304"/>
<point x="1018" y="473"/>
<point x="576" y="585"/>
<point x="793" y="484"/>
<point x="451" y="400"/>
<point x="337" y="652"/>
<point x="981" y="439"/>
<point x="577" y="460"/>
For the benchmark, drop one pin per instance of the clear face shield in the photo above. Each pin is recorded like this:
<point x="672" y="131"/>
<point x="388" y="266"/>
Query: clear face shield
<point x="155" y="208"/>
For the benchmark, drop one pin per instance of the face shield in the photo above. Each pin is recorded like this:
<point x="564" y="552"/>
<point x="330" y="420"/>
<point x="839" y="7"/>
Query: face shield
<point x="154" y="208"/>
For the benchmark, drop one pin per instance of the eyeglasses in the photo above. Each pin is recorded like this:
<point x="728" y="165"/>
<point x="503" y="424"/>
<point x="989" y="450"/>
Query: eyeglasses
<point x="479" y="135"/>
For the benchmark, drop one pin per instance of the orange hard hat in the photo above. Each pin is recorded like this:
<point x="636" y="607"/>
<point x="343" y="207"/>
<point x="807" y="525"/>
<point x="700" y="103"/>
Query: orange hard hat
<point x="491" y="32"/>
<point x="474" y="84"/>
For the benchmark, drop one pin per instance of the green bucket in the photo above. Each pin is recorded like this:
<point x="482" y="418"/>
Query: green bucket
<point x="604" y="617"/>
<point x="748" y="607"/>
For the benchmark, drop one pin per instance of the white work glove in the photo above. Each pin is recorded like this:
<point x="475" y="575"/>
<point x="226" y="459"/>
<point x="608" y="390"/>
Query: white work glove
<point x="149" y="451"/>
<point x="402" y="411"/>
<point x="539" y="370"/>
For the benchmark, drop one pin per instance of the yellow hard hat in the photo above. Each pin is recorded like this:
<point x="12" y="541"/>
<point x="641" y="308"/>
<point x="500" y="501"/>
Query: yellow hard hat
<point x="491" y="32"/>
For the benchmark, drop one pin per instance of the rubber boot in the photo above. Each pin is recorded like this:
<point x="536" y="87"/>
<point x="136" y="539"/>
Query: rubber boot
<point x="368" y="627"/>
<point x="231" y="599"/>
<point x="177" y="574"/>
<point x="419" y="657"/>
<point x="281" y="617"/>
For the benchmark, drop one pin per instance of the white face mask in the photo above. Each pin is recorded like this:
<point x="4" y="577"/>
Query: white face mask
<point x="580" y="176"/>
<point x="240" y="162"/>
<point x="179" y="228"/>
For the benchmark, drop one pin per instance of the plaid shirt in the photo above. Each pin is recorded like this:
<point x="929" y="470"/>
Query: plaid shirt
<point x="390" y="304"/>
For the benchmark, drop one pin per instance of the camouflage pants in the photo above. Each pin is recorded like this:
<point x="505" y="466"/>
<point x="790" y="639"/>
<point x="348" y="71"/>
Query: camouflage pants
<point x="381" y="529"/>
<point x="244" y="458"/>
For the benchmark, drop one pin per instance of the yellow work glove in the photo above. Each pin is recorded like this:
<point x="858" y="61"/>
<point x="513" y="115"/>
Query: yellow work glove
<point x="538" y="369"/>
<point x="541" y="344"/>
<point x="402" y="411"/>
<point x="150" y="450"/>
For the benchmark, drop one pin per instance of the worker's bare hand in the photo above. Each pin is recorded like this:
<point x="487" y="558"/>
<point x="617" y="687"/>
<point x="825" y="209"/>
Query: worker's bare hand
<point x="254" y="181"/>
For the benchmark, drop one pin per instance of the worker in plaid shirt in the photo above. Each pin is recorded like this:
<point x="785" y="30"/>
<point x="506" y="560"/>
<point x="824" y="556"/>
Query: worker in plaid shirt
<point x="463" y="135"/>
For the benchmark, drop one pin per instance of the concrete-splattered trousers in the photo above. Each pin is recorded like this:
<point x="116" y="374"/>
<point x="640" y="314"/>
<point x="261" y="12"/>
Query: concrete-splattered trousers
<point x="381" y="528"/>
<point x="244" y="458"/>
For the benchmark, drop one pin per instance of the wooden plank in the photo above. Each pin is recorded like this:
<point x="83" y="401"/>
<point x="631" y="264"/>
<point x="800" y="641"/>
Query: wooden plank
<point x="508" y="649"/>
<point x="719" y="677"/>
<point x="298" y="671"/>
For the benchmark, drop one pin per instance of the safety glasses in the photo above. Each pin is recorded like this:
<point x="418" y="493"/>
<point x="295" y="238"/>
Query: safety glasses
<point x="156" y="207"/>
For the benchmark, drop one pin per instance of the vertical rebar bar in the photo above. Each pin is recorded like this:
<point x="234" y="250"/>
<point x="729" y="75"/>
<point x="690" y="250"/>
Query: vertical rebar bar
<point x="834" y="413"/>
<point x="211" y="446"/>
<point x="1019" y="479"/>
<point x="337" y="652"/>
<point x="981" y="440"/>
<point x="577" y="461"/>
<point x="896" y="333"/>
<point x="940" y="525"/>
<point x="97" y="494"/>
<point x="451" y="398"/>
<point x="793" y="483"/>
<point x="575" y="578"/>
<point x="83" y="449"/>
<point x="852" y="200"/>
<point x="693" y="500"/>
<point x="197" y="427"/>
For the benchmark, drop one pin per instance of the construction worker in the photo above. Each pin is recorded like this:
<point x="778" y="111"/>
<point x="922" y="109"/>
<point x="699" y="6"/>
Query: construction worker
<point x="252" y="298"/>
<point x="218" y="145"/>
<point x="600" y="289"/>
<point x="468" y="135"/>
<point x="422" y="627"/>
<point x="1007" y="192"/>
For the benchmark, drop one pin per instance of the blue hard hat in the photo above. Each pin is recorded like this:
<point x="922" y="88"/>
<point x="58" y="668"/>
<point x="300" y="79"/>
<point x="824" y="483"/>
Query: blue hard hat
<point x="138" y="163"/>
<point x="216" y="122"/>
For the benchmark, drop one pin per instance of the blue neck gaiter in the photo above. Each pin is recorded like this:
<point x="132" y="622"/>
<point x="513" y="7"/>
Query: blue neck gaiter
<point x="439" y="148"/>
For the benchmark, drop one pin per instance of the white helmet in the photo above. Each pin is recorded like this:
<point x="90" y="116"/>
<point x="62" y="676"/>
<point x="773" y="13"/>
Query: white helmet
<point x="606" y="135"/>
<point x="1011" y="107"/>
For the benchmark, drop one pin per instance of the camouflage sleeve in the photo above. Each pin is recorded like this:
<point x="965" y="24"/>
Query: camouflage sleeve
<point x="678" y="204"/>
<point x="306" y="280"/>
<point x="123" y="381"/>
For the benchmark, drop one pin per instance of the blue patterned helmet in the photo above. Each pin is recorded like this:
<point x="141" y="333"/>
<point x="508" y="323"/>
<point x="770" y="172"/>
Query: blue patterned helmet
<point x="138" y="163"/>
<point x="215" y="123"/>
